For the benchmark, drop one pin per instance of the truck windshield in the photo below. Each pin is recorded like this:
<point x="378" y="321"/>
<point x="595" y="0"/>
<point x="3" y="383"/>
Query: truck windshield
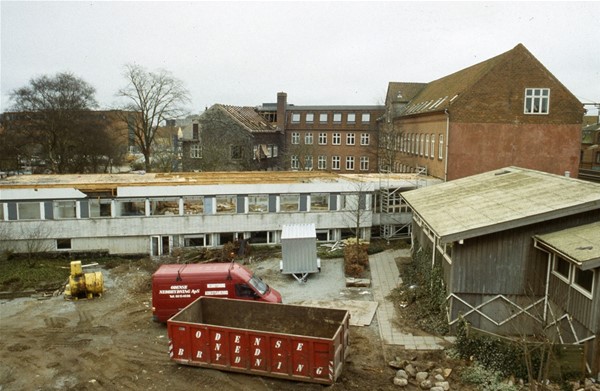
<point x="259" y="285"/>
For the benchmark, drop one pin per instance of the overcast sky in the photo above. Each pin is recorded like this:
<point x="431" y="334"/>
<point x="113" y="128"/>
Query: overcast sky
<point x="320" y="53"/>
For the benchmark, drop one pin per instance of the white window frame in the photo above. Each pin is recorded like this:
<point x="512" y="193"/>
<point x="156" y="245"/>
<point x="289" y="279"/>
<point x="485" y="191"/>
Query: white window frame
<point x="308" y="162"/>
<point x="322" y="138"/>
<point x="364" y="163"/>
<point x="427" y="145"/>
<point x="295" y="118"/>
<point x="441" y="147"/>
<point x="589" y="294"/>
<point x="350" y="138"/>
<point x="323" y="118"/>
<point x="295" y="138"/>
<point x="365" y="138"/>
<point x="365" y="118"/>
<point x="195" y="151"/>
<point x="310" y="118"/>
<point x="337" y="118"/>
<point x="432" y="146"/>
<point x="537" y="101"/>
<point x="351" y="118"/>
<point x="294" y="162"/>
<point x="336" y="139"/>
<point x="322" y="162"/>
<point x="349" y="163"/>
<point x="555" y="272"/>
<point x="335" y="162"/>
<point x="308" y="138"/>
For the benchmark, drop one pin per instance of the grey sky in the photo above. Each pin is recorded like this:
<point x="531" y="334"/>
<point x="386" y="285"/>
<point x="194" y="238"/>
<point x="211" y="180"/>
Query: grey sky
<point x="338" y="53"/>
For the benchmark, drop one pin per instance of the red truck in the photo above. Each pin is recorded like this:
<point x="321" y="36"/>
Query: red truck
<point x="174" y="286"/>
<point x="278" y="340"/>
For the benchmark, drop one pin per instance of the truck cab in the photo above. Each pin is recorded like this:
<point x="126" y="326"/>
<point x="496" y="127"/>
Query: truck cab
<point x="174" y="286"/>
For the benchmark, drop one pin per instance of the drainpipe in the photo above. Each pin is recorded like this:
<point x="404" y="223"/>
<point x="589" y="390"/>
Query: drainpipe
<point x="446" y="145"/>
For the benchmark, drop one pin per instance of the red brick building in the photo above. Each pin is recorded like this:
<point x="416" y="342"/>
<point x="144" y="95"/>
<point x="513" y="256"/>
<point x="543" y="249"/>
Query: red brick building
<point x="506" y="111"/>
<point x="329" y="138"/>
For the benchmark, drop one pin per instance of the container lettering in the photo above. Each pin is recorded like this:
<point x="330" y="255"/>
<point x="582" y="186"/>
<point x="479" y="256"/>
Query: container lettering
<point x="299" y="347"/>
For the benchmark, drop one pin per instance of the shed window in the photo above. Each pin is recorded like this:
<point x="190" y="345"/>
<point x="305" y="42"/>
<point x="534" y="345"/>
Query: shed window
<point x="584" y="279"/>
<point x="562" y="268"/>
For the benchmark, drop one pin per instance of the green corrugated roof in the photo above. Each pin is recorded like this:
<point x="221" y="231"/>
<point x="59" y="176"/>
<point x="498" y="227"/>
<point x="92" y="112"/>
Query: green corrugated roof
<point x="580" y="244"/>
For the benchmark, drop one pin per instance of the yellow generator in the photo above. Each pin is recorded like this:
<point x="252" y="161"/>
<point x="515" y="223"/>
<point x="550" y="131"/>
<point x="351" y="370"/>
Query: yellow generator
<point x="83" y="285"/>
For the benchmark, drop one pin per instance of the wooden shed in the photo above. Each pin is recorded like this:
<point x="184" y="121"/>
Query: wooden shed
<point x="494" y="235"/>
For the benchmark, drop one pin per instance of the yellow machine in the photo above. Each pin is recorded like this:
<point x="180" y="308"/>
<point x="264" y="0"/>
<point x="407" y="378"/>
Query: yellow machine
<point x="83" y="285"/>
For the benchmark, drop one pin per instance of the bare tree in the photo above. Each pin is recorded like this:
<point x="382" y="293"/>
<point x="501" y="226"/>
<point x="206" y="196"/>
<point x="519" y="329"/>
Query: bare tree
<point x="156" y="97"/>
<point x="53" y="121"/>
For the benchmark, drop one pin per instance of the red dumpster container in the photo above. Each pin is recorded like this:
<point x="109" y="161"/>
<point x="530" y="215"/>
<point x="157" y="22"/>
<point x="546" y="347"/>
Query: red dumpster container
<point x="278" y="340"/>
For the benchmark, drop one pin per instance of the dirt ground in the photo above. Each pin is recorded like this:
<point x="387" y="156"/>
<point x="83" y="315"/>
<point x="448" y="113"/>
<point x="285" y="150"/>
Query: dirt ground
<point x="111" y="343"/>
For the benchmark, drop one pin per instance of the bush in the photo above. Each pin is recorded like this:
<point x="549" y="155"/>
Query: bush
<point x="485" y="379"/>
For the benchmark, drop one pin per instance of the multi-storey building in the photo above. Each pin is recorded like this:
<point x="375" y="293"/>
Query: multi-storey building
<point x="331" y="138"/>
<point x="153" y="213"/>
<point x="508" y="110"/>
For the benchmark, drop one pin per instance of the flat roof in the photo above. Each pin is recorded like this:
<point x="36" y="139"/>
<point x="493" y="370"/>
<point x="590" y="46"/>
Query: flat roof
<point x="93" y="182"/>
<point x="499" y="200"/>
<point x="579" y="244"/>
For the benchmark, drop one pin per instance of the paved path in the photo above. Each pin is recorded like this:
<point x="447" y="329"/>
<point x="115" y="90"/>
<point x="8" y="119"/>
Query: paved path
<point x="385" y="277"/>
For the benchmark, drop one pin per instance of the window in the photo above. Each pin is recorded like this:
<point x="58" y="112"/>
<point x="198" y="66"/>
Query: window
<point x="337" y="118"/>
<point x="323" y="118"/>
<point x="1" y="212"/>
<point x="441" y="147"/>
<point x="364" y="163"/>
<point x="236" y="152"/>
<point x="273" y="150"/>
<point x="336" y="139"/>
<point x="29" y="211"/>
<point x="598" y="157"/>
<point x="64" y="210"/>
<point x="335" y="162"/>
<point x="294" y="162"/>
<point x="432" y="145"/>
<point x="193" y="205"/>
<point x="427" y="146"/>
<point x="319" y="201"/>
<point x="537" y="100"/>
<point x="584" y="279"/>
<point x="63" y="244"/>
<point x="308" y="162"/>
<point x="322" y="162"/>
<point x="164" y="207"/>
<point x="295" y="138"/>
<point x="365" y="138"/>
<point x="195" y="131"/>
<point x="351" y="118"/>
<point x="562" y="268"/>
<point x="350" y="163"/>
<point x="310" y="118"/>
<point x="99" y="207"/>
<point x="322" y="138"/>
<point x="195" y="151"/>
<point x="421" y="144"/>
<point x="131" y="207"/>
<point x="226" y="203"/>
<point x="289" y="202"/>
<point x="350" y="139"/>
<point x="295" y="118"/>
<point x="258" y="203"/>
<point x="366" y="118"/>
<point x="193" y="241"/>
<point x="308" y="138"/>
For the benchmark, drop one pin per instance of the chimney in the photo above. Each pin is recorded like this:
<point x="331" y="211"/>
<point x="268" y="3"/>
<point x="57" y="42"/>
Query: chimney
<point x="281" y="108"/>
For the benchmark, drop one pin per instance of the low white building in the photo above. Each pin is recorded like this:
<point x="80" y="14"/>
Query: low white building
<point x="153" y="213"/>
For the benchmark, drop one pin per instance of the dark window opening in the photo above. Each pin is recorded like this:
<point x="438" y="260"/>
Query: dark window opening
<point x="63" y="244"/>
